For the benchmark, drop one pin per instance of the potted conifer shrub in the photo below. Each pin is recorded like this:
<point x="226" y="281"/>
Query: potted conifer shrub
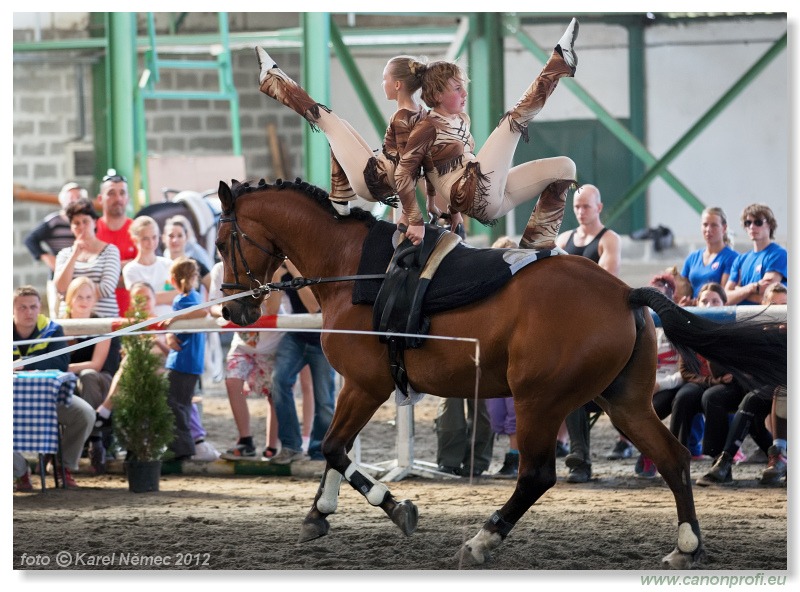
<point x="143" y="422"/>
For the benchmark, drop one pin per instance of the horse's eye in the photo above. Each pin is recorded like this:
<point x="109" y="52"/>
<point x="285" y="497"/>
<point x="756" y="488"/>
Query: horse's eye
<point x="221" y="247"/>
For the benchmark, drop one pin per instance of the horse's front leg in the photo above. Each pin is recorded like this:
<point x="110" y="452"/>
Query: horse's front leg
<point x="537" y="474"/>
<point x="354" y="409"/>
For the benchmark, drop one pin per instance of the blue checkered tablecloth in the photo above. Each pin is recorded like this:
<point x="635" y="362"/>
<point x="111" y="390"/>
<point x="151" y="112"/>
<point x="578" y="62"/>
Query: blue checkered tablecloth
<point x="36" y="394"/>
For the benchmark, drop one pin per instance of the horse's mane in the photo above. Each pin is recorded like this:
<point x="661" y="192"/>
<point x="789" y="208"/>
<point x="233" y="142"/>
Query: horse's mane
<point x="317" y="194"/>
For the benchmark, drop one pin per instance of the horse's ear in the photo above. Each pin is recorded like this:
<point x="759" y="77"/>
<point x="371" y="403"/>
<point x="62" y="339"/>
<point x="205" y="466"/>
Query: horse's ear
<point x="225" y="196"/>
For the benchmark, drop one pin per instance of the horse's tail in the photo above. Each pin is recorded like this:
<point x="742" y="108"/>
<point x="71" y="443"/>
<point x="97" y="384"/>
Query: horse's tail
<point x="754" y="351"/>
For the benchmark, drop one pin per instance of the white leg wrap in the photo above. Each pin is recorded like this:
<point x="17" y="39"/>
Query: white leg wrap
<point x="329" y="499"/>
<point x="687" y="540"/>
<point x="482" y="543"/>
<point x="378" y="490"/>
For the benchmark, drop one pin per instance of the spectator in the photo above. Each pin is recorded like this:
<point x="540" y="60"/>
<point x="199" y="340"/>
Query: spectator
<point x="114" y="226"/>
<point x="297" y="349"/>
<point x="53" y="234"/>
<point x="714" y="262"/>
<point x="754" y="409"/>
<point x="669" y="378"/>
<point x="88" y="256"/>
<point x="147" y="266"/>
<point x="77" y="418"/>
<point x="766" y="264"/>
<point x="178" y="239"/>
<point x="185" y="361"/>
<point x="250" y="361"/>
<point x="95" y="365"/>
<point x="603" y="246"/>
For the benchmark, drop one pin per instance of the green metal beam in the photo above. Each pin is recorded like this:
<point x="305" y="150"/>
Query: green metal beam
<point x="121" y="76"/>
<point x="486" y="101"/>
<point x="357" y="80"/>
<point x="316" y="80"/>
<point x="638" y="114"/>
<point x="604" y="117"/>
<point x="701" y="124"/>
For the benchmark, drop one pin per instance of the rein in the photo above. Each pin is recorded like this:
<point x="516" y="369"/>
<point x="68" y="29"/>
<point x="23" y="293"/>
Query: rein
<point x="293" y="284"/>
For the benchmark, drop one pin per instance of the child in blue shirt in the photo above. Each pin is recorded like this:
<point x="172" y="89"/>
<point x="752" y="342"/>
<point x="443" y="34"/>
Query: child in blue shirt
<point x="186" y="357"/>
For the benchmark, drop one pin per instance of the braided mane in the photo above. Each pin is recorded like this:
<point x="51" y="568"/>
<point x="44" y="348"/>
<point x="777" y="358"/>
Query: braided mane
<point x="317" y="194"/>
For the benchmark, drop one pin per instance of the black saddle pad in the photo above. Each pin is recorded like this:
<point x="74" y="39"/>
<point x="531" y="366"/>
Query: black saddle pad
<point x="466" y="274"/>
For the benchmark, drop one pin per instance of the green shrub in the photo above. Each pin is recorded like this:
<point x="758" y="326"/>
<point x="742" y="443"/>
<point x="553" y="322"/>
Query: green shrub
<point x="143" y="422"/>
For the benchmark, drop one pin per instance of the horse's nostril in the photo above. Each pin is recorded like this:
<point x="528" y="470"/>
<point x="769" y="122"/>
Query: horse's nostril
<point x="226" y="313"/>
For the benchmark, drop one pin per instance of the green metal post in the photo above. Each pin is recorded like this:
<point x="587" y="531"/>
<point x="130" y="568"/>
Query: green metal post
<point x="486" y="101"/>
<point x="226" y="83"/>
<point x="697" y="128"/>
<point x="121" y="76"/>
<point x="316" y="80"/>
<point x="638" y="119"/>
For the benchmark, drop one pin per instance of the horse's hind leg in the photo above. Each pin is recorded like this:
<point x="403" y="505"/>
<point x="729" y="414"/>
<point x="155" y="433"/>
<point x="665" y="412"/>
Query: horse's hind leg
<point x="629" y="405"/>
<point x="354" y="408"/>
<point x="537" y="429"/>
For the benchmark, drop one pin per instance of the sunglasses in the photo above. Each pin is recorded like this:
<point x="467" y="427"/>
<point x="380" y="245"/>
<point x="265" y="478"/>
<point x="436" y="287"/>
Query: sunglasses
<point x="759" y="222"/>
<point x="114" y="177"/>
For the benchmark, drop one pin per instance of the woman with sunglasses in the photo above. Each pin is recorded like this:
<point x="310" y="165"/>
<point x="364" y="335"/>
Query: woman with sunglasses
<point x="766" y="264"/>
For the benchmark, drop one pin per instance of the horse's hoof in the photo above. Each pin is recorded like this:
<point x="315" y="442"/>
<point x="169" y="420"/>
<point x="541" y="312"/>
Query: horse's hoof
<point x="680" y="560"/>
<point x="467" y="555"/>
<point x="405" y="515"/>
<point x="313" y="529"/>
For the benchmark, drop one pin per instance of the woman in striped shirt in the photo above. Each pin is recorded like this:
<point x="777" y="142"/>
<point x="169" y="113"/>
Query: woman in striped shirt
<point x="90" y="257"/>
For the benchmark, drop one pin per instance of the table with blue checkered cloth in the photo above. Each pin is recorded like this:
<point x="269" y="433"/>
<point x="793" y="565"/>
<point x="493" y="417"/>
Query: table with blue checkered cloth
<point x="36" y="394"/>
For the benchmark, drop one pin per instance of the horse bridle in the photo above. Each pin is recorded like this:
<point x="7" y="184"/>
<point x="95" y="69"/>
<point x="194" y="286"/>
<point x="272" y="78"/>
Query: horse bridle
<point x="236" y="246"/>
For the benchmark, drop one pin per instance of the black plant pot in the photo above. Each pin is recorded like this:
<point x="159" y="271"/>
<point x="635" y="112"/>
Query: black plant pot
<point x="143" y="475"/>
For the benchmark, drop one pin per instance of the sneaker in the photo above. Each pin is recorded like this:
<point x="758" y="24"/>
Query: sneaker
<point x="645" y="468"/>
<point x="239" y="452"/>
<point x="622" y="449"/>
<point x="101" y="422"/>
<point x="23" y="483"/>
<point x="580" y="471"/>
<point x="449" y="470"/>
<point x="720" y="472"/>
<point x="562" y="449"/>
<point x="269" y="452"/>
<point x="69" y="480"/>
<point x="739" y="457"/>
<point x="206" y="452"/>
<point x="510" y="467"/>
<point x="776" y="467"/>
<point x="287" y="456"/>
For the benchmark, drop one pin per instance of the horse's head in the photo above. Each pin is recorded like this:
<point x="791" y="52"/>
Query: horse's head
<point x="248" y="255"/>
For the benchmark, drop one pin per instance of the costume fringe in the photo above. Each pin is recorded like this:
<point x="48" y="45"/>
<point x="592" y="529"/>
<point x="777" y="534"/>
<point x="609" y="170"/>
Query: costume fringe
<point x="515" y="126"/>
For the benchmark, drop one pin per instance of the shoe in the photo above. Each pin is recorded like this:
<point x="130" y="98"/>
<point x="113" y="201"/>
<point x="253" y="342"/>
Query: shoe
<point x="269" y="452"/>
<point x="580" y="471"/>
<point x="566" y="43"/>
<point x="720" y="472"/>
<point x="776" y="467"/>
<point x="205" y="452"/>
<point x="739" y="457"/>
<point x="342" y="207"/>
<point x="287" y="456"/>
<point x="239" y="452"/>
<point x="622" y="449"/>
<point x="97" y="456"/>
<point x="23" y="483"/>
<point x="449" y="470"/>
<point x="510" y="468"/>
<point x="101" y="422"/>
<point x="562" y="449"/>
<point x="645" y="468"/>
<point x="69" y="480"/>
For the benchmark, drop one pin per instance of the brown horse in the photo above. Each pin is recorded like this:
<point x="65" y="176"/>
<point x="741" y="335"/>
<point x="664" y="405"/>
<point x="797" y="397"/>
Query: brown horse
<point x="560" y="333"/>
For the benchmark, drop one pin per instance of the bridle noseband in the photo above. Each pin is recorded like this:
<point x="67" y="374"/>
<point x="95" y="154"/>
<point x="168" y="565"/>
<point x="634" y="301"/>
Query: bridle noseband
<point x="236" y="246"/>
